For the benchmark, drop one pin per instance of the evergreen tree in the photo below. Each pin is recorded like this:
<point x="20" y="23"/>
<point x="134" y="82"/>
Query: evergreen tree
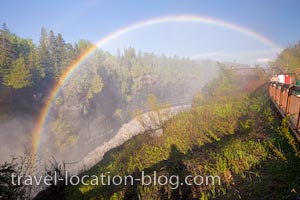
<point x="20" y="75"/>
<point x="59" y="56"/>
<point x="38" y="73"/>
<point x="44" y="59"/>
<point x="6" y="54"/>
<point x="82" y="46"/>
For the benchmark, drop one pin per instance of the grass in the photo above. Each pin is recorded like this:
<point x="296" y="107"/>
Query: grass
<point x="234" y="137"/>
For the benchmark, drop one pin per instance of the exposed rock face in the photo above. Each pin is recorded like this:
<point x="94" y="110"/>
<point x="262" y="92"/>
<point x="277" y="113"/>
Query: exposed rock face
<point x="95" y="121"/>
<point x="127" y="131"/>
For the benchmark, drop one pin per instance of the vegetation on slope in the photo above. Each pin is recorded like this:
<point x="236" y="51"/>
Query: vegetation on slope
<point x="230" y="134"/>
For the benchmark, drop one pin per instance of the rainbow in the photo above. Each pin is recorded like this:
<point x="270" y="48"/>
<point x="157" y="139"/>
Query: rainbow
<point x="38" y="129"/>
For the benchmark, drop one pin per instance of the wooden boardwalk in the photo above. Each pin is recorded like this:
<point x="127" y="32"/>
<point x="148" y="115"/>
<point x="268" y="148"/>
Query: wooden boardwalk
<point x="286" y="98"/>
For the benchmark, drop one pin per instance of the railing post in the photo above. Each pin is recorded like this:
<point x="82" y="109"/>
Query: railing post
<point x="288" y="101"/>
<point x="281" y="96"/>
<point x="298" y="121"/>
<point x="274" y="91"/>
<point x="276" y="98"/>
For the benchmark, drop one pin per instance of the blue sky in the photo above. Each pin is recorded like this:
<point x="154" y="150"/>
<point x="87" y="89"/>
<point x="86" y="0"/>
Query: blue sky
<point x="278" y="20"/>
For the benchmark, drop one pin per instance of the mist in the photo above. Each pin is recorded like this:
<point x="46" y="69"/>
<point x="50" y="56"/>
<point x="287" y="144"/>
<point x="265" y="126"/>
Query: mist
<point x="15" y="136"/>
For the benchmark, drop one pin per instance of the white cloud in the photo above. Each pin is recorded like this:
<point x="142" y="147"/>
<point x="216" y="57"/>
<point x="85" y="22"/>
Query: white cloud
<point x="263" y="60"/>
<point x="249" y="57"/>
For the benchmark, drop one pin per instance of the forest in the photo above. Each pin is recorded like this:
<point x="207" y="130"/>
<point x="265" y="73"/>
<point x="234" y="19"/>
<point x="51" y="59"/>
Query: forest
<point x="27" y="68"/>
<point x="101" y="95"/>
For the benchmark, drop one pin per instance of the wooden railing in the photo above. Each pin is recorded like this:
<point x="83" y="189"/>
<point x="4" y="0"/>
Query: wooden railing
<point x="286" y="98"/>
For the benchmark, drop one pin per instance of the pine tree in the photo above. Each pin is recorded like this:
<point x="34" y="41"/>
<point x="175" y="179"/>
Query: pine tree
<point x="20" y="75"/>
<point x="71" y="54"/>
<point x="59" y="56"/>
<point x="6" y="54"/>
<point x="83" y="45"/>
<point x="38" y="73"/>
<point x="43" y="53"/>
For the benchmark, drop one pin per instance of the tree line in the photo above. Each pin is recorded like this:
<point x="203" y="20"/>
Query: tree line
<point x="25" y="64"/>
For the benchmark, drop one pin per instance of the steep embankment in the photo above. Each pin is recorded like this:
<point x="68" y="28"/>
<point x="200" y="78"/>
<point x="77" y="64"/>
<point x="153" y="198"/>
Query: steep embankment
<point x="127" y="131"/>
<point x="232" y="135"/>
